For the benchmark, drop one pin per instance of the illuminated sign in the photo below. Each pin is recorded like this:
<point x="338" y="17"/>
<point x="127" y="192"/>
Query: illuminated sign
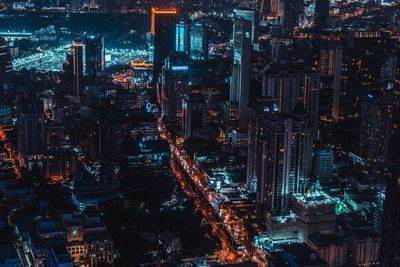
<point x="180" y="38"/>
<point x="108" y="58"/>
<point x="148" y="107"/>
<point x="180" y="68"/>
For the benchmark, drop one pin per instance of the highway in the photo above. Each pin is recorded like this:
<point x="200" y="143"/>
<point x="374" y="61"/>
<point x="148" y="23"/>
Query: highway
<point x="11" y="155"/>
<point x="195" y="186"/>
<point x="227" y="253"/>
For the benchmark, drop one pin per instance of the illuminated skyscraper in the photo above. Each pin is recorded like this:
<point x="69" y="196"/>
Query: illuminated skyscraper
<point x="361" y="64"/>
<point x="94" y="57"/>
<point x="182" y="41"/>
<point x="291" y="85"/>
<point x="5" y="64"/>
<point x="284" y="161"/>
<point x="249" y="15"/>
<point x="255" y="133"/>
<point x="390" y="245"/>
<point x="240" y="80"/>
<point x="77" y="52"/>
<point x="30" y="137"/>
<point x="163" y="30"/>
<point x="194" y="117"/>
<point x="376" y="126"/>
<point x="198" y="41"/>
<point x="174" y="85"/>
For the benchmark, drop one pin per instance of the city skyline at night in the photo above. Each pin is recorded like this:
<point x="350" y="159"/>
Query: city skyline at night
<point x="199" y="133"/>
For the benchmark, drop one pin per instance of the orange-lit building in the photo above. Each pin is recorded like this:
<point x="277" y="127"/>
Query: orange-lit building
<point x="163" y="23"/>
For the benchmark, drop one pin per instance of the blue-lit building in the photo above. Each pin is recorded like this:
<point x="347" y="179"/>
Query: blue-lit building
<point x="324" y="163"/>
<point x="182" y="40"/>
<point x="240" y="80"/>
<point x="94" y="57"/>
<point x="282" y="161"/>
<point x="5" y="65"/>
<point x="249" y="15"/>
<point x="152" y="154"/>
<point x="173" y="85"/>
<point x="198" y="41"/>
<point x="377" y="210"/>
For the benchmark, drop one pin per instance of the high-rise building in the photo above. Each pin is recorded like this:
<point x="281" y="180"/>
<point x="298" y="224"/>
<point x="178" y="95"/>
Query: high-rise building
<point x="377" y="210"/>
<point x="94" y="57"/>
<point x="285" y="161"/>
<point x="182" y="40"/>
<point x="198" y="41"/>
<point x="30" y="137"/>
<point x="173" y="85"/>
<point x="77" y="52"/>
<point x="249" y="15"/>
<point x="324" y="163"/>
<point x="194" y="117"/>
<point x="360" y="72"/>
<point x="255" y="134"/>
<point x="390" y="245"/>
<point x="5" y="65"/>
<point x="376" y="127"/>
<point x="293" y="85"/>
<point x="163" y="27"/>
<point x="66" y="86"/>
<point x="240" y="80"/>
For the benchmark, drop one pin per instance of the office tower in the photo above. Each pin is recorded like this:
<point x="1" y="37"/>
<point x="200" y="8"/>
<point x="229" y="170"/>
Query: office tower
<point x="330" y="61"/>
<point x="324" y="163"/>
<point x="94" y="57"/>
<point x="389" y="70"/>
<point x="285" y="161"/>
<point x="390" y="245"/>
<point x="240" y="80"/>
<point x="30" y="137"/>
<point x="376" y="126"/>
<point x="361" y="68"/>
<point x="65" y="87"/>
<point x="198" y="41"/>
<point x="291" y="85"/>
<point x="377" y="210"/>
<point x="291" y="11"/>
<point x="163" y="27"/>
<point x="5" y="65"/>
<point x="249" y="15"/>
<point x="321" y="13"/>
<point x="77" y="52"/>
<point x="194" y="117"/>
<point x="173" y="85"/>
<point x="182" y="40"/>
<point x="255" y="134"/>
